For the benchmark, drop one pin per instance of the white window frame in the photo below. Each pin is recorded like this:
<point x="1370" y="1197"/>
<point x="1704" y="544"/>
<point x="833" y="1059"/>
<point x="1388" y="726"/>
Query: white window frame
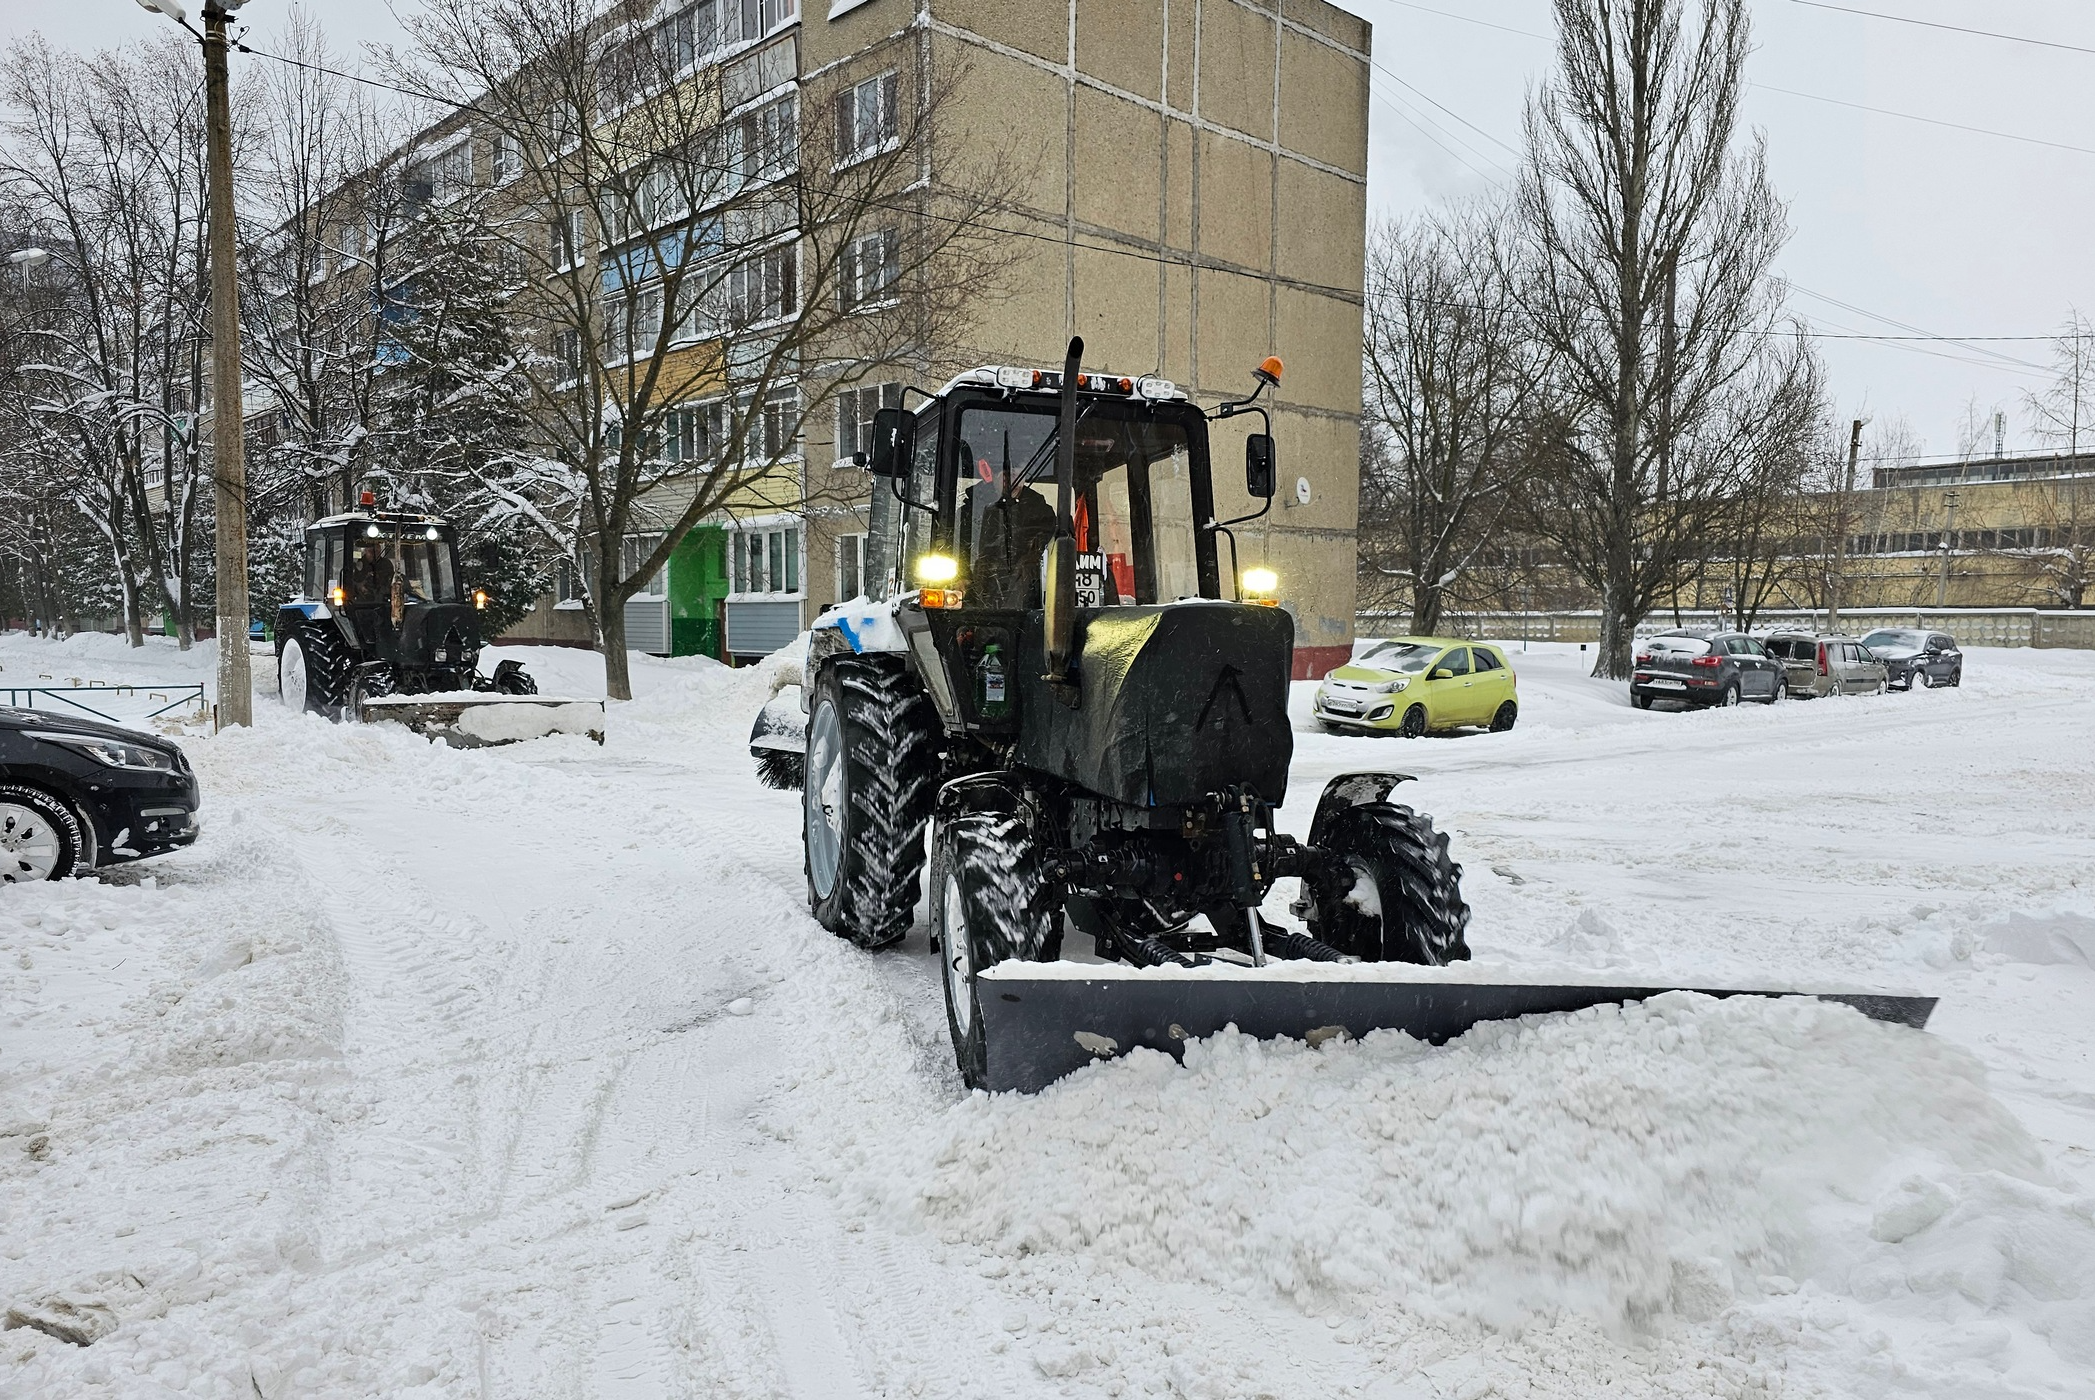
<point x="857" y="549"/>
<point x="854" y="415"/>
<point x="761" y="529"/>
<point x="884" y="91"/>
<point x="861" y="292"/>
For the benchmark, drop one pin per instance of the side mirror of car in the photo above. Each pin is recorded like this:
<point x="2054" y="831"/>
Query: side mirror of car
<point x="894" y="440"/>
<point x="1260" y="466"/>
<point x="1441" y="673"/>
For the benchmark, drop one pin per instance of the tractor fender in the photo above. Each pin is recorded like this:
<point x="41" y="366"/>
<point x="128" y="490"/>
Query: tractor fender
<point x="984" y="793"/>
<point x="1350" y="790"/>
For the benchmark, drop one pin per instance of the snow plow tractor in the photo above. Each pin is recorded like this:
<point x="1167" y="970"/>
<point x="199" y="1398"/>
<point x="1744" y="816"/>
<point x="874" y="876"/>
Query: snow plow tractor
<point x="1055" y="677"/>
<point x="384" y="632"/>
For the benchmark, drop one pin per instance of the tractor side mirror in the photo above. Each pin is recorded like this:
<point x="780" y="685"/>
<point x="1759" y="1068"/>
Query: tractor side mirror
<point x="894" y="440"/>
<point x="1259" y="467"/>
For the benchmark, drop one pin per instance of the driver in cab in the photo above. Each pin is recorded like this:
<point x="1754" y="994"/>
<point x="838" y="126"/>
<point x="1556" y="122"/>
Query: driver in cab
<point x="1004" y="532"/>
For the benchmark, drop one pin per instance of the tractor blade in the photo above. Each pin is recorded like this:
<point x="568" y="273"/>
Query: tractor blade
<point x="480" y="720"/>
<point x="1043" y="1021"/>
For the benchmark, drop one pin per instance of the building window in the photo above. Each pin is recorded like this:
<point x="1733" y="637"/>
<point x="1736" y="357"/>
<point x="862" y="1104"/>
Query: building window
<point x="693" y="434"/>
<point x="775" y="430"/>
<point x="855" y="409"/>
<point x="765" y="144"/>
<point x="865" y="117"/>
<point x="567" y="584"/>
<point x="633" y="552"/>
<point x="851" y="567"/>
<point x="765" y="561"/>
<point x="872" y="263"/>
<point x="506" y="159"/>
<point x="567" y="236"/>
<point x="763" y="288"/>
<point x="567" y="349"/>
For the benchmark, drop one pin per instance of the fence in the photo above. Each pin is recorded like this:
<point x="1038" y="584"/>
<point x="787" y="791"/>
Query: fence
<point x="1985" y="627"/>
<point x="118" y="704"/>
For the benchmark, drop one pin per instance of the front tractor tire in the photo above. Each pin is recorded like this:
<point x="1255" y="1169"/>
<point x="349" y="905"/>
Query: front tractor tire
<point x="1387" y="891"/>
<point x="312" y="671"/>
<point x="991" y="901"/>
<point x="872" y="769"/>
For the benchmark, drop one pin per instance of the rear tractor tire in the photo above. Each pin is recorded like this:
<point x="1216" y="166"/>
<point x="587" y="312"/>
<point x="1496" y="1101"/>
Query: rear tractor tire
<point x="1388" y="891"/>
<point x="872" y="769"/>
<point x="991" y="902"/>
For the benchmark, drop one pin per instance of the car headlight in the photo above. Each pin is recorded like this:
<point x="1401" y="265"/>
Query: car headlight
<point x="114" y="753"/>
<point x="1392" y="687"/>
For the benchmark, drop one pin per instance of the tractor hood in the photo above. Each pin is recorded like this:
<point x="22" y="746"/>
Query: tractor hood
<point x="1175" y="703"/>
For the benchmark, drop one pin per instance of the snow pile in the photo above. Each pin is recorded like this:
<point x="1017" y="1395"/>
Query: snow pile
<point x="1633" y="1165"/>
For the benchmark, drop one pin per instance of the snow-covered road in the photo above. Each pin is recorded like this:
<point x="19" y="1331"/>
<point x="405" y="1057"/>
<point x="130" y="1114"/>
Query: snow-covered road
<point x="522" y="1072"/>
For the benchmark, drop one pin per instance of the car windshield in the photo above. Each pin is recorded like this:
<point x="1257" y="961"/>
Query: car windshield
<point x="1408" y="657"/>
<point x="1894" y="639"/>
<point x="1679" y="646"/>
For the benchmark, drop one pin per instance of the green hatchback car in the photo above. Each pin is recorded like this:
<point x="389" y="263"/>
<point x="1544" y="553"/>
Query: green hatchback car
<point x="1413" y="685"/>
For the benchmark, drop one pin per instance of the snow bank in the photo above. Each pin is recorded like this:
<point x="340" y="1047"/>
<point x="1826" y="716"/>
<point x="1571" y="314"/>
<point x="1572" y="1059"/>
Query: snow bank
<point x="1639" y="1167"/>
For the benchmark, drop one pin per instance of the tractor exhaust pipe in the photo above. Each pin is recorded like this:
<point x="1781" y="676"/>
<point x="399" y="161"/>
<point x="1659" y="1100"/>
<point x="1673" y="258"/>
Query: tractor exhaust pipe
<point x="1060" y="600"/>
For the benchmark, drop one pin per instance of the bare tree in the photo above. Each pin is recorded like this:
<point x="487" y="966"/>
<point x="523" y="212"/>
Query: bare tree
<point x="707" y="255"/>
<point x="1450" y="371"/>
<point x="2060" y="539"/>
<point x="1650" y="287"/>
<point x="1771" y="426"/>
<point x="105" y="156"/>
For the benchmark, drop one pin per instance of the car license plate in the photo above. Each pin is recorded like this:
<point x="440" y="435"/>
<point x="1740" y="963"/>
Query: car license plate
<point x="1342" y="707"/>
<point x="1665" y="685"/>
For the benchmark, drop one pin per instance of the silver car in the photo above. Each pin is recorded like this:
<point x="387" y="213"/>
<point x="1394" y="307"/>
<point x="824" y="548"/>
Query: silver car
<point x="1815" y="664"/>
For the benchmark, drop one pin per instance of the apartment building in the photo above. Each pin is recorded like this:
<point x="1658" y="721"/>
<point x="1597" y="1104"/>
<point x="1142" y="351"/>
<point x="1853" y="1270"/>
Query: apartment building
<point x="1191" y="198"/>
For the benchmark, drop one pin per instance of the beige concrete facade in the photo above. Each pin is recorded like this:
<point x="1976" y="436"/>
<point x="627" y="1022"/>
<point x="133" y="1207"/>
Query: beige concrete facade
<point x="1193" y="200"/>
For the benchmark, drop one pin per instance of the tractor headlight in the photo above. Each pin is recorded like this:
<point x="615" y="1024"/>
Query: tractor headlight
<point x="1261" y="584"/>
<point x="480" y="599"/>
<point x="114" y="753"/>
<point x="937" y="570"/>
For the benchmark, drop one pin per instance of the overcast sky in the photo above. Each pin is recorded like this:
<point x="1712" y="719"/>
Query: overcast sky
<point x="1913" y="226"/>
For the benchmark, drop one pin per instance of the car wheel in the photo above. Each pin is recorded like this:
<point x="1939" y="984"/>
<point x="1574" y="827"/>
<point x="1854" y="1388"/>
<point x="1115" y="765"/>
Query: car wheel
<point x="1503" y="720"/>
<point x="40" y="838"/>
<point x="1414" y="722"/>
<point x="1776" y="694"/>
<point x="1731" y="695"/>
<point x="1642" y="702"/>
<point x="1920" y="680"/>
<point x="1957" y="677"/>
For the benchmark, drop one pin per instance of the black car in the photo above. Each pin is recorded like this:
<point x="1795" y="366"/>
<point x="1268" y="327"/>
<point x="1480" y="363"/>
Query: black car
<point x="1704" y="668"/>
<point x="76" y="793"/>
<point x="1914" y="656"/>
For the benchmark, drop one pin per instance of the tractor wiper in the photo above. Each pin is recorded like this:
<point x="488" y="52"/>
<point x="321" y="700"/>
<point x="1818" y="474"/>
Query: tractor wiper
<point x="1042" y="455"/>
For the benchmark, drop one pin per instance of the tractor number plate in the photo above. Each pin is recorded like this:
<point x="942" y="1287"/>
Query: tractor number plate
<point x="1091" y="580"/>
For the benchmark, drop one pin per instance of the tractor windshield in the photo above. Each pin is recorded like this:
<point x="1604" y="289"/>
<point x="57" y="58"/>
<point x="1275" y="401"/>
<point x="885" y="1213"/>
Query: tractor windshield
<point x="383" y="554"/>
<point x="1133" y="512"/>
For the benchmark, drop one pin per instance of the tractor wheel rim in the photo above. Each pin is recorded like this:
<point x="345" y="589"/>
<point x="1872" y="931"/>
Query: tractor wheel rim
<point x="28" y="844"/>
<point x="291" y="676"/>
<point x="825" y="798"/>
<point x="957" y="954"/>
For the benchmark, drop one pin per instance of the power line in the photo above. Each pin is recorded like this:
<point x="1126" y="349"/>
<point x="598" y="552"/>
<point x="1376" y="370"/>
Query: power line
<point x="1931" y="24"/>
<point x="1931" y="121"/>
<point x="1063" y="241"/>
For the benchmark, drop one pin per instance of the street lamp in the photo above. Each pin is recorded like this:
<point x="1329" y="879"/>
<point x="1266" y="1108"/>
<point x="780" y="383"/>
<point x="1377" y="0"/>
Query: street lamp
<point x="228" y="452"/>
<point x="29" y="259"/>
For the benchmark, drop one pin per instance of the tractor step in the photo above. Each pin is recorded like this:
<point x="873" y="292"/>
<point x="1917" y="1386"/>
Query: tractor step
<point x="1044" y="1020"/>
<point x="478" y="721"/>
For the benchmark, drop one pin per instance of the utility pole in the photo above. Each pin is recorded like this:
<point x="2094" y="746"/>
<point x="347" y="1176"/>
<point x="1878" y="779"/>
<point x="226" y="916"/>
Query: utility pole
<point x="1840" y="526"/>
<point x="1949" y="540"/>
<point x="228" y="451"/>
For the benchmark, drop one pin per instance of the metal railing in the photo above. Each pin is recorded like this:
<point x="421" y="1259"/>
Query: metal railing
<point x="72" y="699"/>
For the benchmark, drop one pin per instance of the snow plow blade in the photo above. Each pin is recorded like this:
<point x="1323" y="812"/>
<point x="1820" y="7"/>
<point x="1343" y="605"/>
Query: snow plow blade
<point x="478" y="721"/>
<point x="1044" y="1020"/>
<point x="778" y="741"/>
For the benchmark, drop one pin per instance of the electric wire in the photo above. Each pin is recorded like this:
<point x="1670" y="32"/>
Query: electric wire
<point x="1065" y="241"/>
<point x="1934" y="24"/>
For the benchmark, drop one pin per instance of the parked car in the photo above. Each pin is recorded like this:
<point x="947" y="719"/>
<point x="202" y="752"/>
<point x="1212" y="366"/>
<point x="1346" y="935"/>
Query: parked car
<point x="1814" y="664"/>
<point x="76" y="793"/>
<point x="1914" y="656"/>
<point x="1704" y="668"/>
<point x="1415" y="684"/>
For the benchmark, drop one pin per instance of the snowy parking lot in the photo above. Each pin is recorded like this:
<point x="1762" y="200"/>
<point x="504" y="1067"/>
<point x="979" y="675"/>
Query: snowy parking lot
<point x="523" y="1072"/>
